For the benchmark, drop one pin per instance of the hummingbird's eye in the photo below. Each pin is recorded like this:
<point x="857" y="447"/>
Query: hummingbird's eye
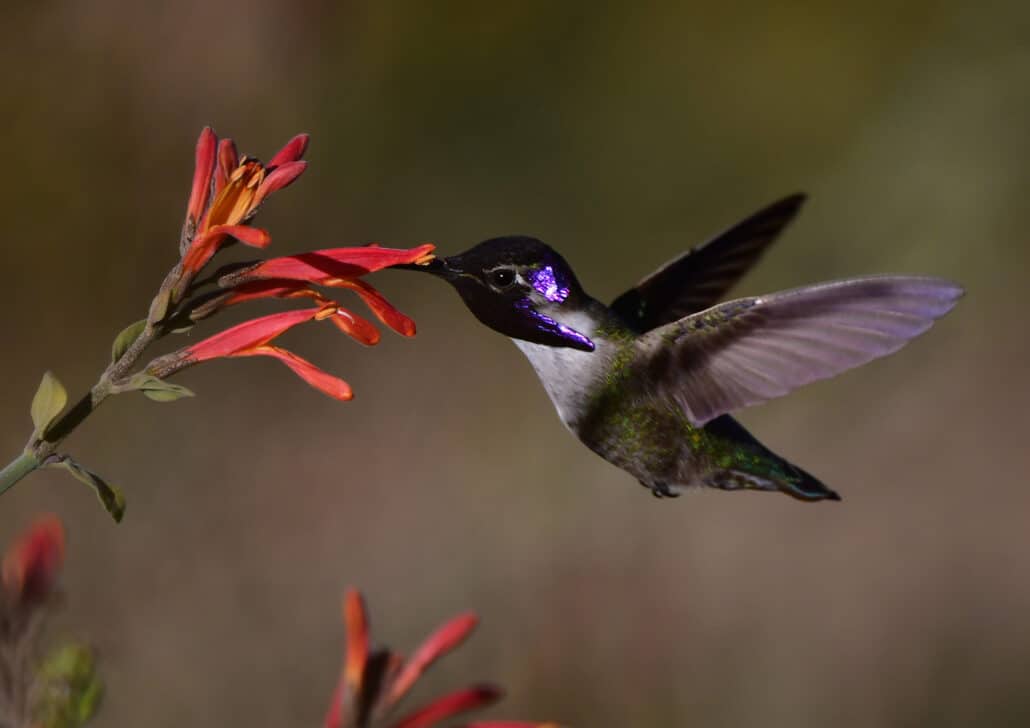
<point x="502" y="277"/>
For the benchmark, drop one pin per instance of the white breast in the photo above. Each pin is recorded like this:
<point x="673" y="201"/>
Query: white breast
<point x="569" y="376"/>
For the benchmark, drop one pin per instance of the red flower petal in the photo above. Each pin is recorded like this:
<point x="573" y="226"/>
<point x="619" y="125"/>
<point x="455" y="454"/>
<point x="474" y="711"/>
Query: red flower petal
<point x="293" y="151"/>
<point x="356" y="327"/>
<point x="382" y="308"/>
<point x="203" y="248"/>
<point x="371" y="258"/>
<point x="249" y="334"/>
<point x="278" y="178"/>
<point x="205" y="162"/>
<point x="355" y="621"/>
<point x="32" y="562"/>
<point x="334" y="716"/>
<point x="471" y="698"/>
<point x="439" y="643"/>
<point x="228" y="160"/>
<point x="320" y="380"/>
<point x="252" y="236"/>
<point x="272" y="288"/>
<point x="313" y="267"/>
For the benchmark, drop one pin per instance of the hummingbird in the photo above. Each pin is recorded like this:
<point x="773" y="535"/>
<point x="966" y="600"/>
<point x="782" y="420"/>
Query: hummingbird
<point x="649" y="382"/>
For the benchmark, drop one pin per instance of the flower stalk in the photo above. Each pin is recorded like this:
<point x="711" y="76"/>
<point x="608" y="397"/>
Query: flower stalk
<point x="42" y="446"/>
<point x="17" y="469"/>
<point x="226" y="193"/>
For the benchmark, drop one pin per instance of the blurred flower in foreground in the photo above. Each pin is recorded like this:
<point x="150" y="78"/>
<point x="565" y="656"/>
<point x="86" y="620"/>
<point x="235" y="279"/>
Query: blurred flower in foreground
<point x="60" y="689"/>
<point x="31" y="563"/>
<point x="227" y="192"/>
<point x="374" y="681"/>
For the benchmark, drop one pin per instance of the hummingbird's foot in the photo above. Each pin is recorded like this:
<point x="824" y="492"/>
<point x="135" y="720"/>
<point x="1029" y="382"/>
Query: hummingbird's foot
<point x="662" y="490"/>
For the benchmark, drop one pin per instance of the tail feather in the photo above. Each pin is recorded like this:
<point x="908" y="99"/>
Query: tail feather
<point x="807" y="487"/>
<point x="775" y="473"/>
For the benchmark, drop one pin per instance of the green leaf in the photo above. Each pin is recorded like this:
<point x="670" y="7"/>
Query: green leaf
<point x="127" y="338"/>
<point x="48" y="402"/>
<point x="156" y="389"/>
<point x="110" y="497"/>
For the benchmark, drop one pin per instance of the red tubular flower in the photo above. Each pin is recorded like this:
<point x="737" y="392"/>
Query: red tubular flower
<point x="372" y="682"/>
<point x="227" y="192"/>
<point x="253" y="338"/>
<point x="293" y="151"/>
<point x="438" y="644"/>
<point x="355" y="617"/>
<point x="204" y="167"/>
<point x="278" y="178"/>
<point x="32" y="562"/>
<point x="358" y="328"/>
<point x="382" y="308"/>
<point x="450" y="705"/>
<point x="326" y="267"/>
<point x="338" y="268"/>
<point x="228" y="158"/>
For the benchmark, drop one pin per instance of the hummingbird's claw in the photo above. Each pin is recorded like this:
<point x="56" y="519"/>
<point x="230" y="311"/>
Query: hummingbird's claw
<point x="662" y="490"/>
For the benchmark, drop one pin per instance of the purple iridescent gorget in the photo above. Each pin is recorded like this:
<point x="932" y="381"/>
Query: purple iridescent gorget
<point x="547" y="281"/>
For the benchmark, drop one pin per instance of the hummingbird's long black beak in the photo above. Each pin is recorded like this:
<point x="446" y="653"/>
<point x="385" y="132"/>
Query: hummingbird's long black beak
<point x="437" y="267"/>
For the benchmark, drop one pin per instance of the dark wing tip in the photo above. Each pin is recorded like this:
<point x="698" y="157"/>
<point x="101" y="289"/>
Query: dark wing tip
<point x="770" y="220"/>
<point x="700" y="277"/>
<point x="781" y="212"/>
<point x="791" y="202"/>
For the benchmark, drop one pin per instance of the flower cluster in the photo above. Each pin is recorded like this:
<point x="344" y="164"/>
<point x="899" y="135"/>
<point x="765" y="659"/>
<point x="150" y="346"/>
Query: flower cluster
<point x="227" y="192"/>
<point x="60" y="688"/>
<point x="374" y="681"/>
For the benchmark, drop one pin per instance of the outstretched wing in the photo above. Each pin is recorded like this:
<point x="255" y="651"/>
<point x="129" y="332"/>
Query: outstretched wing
<point x="700" y="277"/>
<point x="743" y="352"/>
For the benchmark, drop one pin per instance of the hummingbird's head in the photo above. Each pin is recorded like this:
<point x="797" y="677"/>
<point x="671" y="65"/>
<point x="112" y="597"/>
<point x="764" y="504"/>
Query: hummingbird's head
<point x="518" y="286"/>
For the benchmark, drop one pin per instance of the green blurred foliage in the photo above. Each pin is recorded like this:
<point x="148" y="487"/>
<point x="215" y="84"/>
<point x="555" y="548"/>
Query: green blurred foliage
<point x="70" y="690"/>
<point x="621" y="133"/>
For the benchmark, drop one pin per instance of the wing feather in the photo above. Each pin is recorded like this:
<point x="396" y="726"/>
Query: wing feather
<point x="751" y="350"/>
<point x="701" y="277"/>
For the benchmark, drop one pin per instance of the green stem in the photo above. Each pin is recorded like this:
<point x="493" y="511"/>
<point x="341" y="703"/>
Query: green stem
<point x="38" y="450"/>
<point x="17" y="469"/>
<point x="43" y="445"/>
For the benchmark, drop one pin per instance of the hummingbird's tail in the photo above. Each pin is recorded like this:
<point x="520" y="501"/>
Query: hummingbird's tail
<point x="804" y="486"/>
<point x="768" y="471"/>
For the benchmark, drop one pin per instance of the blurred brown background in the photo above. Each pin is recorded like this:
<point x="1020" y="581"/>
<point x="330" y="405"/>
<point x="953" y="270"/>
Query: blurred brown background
<point x="621" y="134"/>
